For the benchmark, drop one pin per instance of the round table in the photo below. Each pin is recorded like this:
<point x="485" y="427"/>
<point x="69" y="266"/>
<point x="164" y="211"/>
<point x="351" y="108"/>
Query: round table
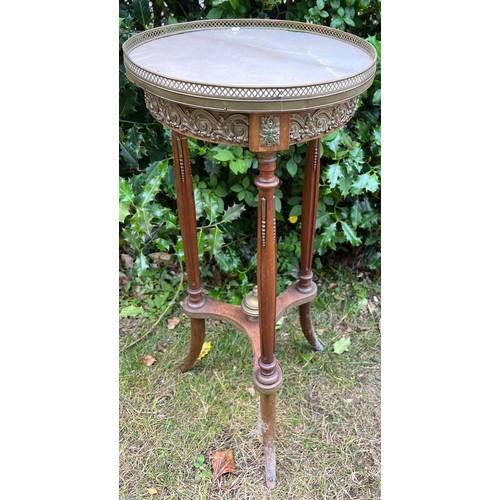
<point x="264" y="85"/>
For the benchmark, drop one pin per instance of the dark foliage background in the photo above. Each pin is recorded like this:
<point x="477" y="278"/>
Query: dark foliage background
<point x="349" y="208"/>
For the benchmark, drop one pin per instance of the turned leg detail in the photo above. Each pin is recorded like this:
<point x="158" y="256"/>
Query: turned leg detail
<point x="268" y="375"/>
<point x="187" y="223"/>
<point x="309" y="209"/>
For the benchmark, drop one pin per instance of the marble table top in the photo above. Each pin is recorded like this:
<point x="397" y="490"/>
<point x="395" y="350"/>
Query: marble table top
<point x="230" y="63"/>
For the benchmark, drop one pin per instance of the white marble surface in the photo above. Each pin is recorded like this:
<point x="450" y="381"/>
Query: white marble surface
<point x="255" y="57"/>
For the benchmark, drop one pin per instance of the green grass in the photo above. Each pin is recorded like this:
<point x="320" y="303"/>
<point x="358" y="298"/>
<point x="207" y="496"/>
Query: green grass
<point x="328" y="413"/>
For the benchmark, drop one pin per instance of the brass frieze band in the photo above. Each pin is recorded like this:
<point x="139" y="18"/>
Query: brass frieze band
<point x="211" y="126"/>
<point x="306" y="126"/>
<point x="233" y="128"/>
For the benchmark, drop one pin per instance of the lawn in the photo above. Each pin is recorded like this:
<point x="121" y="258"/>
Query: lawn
<point x="328" y="411"/>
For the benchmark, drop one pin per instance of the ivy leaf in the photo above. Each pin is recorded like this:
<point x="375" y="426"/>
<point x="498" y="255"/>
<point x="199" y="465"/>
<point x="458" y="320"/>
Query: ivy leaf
<point x="215" y="13"/>
<point x="131" y="238"/>
<point x="220" y="191"/>
<point x="329" y="233"/>
<point x="363" y="129"/>
<point x="333" y="173"/>
<point x="233" y="212"/>
<point x="342" y="345"/>
<point x="129" y="159"/>
<point x="224" y="155"/>
<point x="128" y="100"/>
<point x="356" y="215"/>
<point x="124" y="211"/>
<point x="228" y="260"/>
<point x="162" y="244"/>
<point x="212" y="206"/>
<point x="134" y="143"/>
<point x="126" y="193"/>
<point x="140" y="222"/>
<point x="150" y="190"/>
<point x="215" y="240"/>
<point x="132" y="311"/>
<point x="356" y="153"/>
<point x="345" y="184"/>
<point x="277" y="203"/>
<point x="364" y="181"/>
<point x="198" y="202"/>
<point x="337" y="23"/>
<point x="238" y="166"/>
<point x="333" y="144"/>
<point x="295" y="211"/>
<point x="141" y="11"/>
<point x="350" y="234"/>
<point x="141" y="264"/>
<point x="376" y="43"/>
<point x="291" y="166"/>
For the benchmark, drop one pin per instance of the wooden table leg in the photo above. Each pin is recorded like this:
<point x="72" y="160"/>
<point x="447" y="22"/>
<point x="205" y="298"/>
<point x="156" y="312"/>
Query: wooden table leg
<point x="268" y="428"/>
<point x="187" y="222"/>
<point x="309" y="209"/>
<point x="268" y="375"/>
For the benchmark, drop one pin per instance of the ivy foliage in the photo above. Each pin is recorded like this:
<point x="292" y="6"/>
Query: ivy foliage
<point x="225" y="196"/>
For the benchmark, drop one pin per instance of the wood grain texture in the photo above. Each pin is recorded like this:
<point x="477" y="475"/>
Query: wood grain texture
<point x="187" y="215"/>
<point x="310" y="193"/>
<point x="196" y="343"/>
<point x="187" y="222"/>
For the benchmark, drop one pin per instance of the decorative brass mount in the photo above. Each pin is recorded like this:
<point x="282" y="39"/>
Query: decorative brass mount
<point x="250" y="306"/>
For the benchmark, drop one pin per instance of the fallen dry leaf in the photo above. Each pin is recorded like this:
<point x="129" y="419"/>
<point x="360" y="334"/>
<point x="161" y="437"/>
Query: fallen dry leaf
<point x="148" y="360"/>
<point x="161" y="347"/>
<point x="152" y="491"/>
<point x="331" y="285"/>
<point x="217" y="277"/>
<point x="222" y="462"/>
<point x="251" y="390"/>
<point x="158" y="257"/>
<point x="371" y="307"/>
<point x="127" y="261"/>
<point x="124" y="279"/>
<point x="205" y="349"/>
<point x="320" y="331"/>
<point x="173" y="322"/>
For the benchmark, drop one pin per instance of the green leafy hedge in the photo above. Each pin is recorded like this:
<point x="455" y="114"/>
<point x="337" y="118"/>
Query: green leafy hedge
<point x="349" y="206"/>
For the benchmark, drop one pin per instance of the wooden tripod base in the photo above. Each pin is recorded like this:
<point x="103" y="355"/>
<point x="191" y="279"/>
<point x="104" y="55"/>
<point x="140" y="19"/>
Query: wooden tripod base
<point x="259" y="328"/>
<point x="214" y="309"/>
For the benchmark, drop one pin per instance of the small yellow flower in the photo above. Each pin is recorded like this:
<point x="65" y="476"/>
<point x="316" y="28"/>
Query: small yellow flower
<point x="293" y="219"/>
<point x="205" y="349"/>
